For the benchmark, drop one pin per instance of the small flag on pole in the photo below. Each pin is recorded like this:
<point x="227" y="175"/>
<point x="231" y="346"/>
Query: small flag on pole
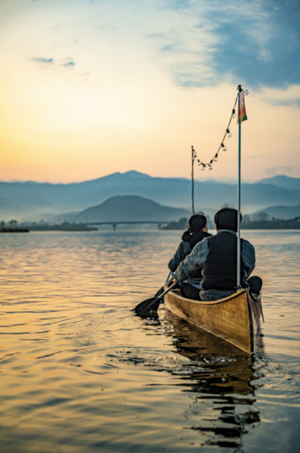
<point x="242" y="116"/>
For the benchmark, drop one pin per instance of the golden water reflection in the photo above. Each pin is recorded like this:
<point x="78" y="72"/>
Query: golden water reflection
<point x="79" y="372"/>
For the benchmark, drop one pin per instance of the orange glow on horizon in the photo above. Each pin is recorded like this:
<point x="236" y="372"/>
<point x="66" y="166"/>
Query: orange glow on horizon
<point x="116" y="107"/>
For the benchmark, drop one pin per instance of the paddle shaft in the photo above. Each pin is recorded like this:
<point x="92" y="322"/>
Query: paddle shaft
<point x="168" y="277"/>
<point x="167" y="290"/>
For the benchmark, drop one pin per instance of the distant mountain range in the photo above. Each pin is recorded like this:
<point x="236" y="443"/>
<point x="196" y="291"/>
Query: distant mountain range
<point x="282" y="212"/>
<point x="284" y="182"/>
<point x="30" y="199"/>
<point x="135" y="208"/>
<point x="125" y="208"/>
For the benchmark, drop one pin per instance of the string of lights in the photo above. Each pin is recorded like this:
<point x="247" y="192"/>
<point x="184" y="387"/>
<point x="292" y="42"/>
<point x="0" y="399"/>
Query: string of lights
<point x="222" y="146"/>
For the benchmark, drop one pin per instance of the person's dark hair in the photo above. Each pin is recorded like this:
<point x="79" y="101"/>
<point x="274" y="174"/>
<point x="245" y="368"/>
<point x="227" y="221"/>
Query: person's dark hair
<point x="226" y="219"/>
<point x="196" y="224"/>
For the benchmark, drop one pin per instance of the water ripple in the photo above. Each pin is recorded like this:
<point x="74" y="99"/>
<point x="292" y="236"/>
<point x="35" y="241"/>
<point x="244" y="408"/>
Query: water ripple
<point x="80" y="372"/>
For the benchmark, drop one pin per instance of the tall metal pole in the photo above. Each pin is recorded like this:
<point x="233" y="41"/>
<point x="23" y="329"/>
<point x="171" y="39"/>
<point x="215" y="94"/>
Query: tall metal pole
<point x="239" y="202"/>
<point x="239" y="211"/>
<point x="193" y="207"/>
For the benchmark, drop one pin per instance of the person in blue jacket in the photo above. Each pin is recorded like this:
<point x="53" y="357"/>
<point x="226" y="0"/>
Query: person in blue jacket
<point x="196" y="232"/>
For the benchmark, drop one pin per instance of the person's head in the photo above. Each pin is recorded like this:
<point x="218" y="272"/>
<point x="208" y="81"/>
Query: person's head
<point x="226" y="219"/>
<point x="197" y="223"/>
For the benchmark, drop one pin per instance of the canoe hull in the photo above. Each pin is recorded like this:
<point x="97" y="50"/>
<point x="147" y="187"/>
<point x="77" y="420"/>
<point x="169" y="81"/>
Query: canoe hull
<point x="235" y="319"/>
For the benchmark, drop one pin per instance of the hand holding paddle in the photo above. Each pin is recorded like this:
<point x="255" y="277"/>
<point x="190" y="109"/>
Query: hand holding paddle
<point x="149" y="306"/>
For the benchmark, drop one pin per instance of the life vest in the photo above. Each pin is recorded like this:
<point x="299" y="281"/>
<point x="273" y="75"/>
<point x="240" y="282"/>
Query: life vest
<point x="220" y="268"/>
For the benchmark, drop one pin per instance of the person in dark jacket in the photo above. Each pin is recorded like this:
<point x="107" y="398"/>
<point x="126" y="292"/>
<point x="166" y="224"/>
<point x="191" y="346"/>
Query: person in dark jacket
<point x="197" y="230"/>
<point x="217" y="257"/>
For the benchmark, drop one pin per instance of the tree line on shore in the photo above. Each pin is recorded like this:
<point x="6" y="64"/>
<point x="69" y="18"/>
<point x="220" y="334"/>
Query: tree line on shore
<point x="259" y="221"/>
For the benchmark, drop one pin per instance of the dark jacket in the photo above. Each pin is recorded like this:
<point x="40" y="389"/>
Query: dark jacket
<point x="220" y="268"/>
<point x="185" y="247"/>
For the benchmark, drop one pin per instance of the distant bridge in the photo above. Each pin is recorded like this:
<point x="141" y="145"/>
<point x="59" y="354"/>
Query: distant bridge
<point x="159" y="223"/>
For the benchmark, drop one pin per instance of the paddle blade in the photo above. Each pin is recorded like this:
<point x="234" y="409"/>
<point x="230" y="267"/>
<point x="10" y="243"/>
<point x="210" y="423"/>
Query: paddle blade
<point x="148" y="307"/>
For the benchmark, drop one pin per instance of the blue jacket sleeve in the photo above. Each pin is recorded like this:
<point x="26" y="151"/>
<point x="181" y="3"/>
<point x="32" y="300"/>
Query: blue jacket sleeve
<point x="183" y="250"/>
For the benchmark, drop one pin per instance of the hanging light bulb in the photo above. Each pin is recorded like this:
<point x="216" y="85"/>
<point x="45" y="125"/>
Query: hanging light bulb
<point x="229" y="134"/>
<point x="233" y="115"/>
<point x="216" y="158"/>
<point x="246" y="92"/>
<point x="210" y="167"/>
<point x="203" y="168"/>
<point x="223" y="147"/>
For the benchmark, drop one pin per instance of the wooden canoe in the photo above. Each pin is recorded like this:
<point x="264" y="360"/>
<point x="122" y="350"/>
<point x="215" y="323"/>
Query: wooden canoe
<point x="235" y="318"/>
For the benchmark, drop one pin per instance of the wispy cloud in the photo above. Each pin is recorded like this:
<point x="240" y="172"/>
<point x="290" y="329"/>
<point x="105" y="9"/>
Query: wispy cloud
<point x="286" y="96"/>
<point x="257" y="43"/>
<point x="43" y="60"/>
<point x="68" y="62"/>
<point x="274" y="171"/>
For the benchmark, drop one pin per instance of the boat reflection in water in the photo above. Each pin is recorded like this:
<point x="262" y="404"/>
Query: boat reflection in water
<point x="221" y="380"/>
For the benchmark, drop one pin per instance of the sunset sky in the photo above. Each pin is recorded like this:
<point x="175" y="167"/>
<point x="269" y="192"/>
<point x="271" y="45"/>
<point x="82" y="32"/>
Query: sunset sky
<point x="91" y="87"/>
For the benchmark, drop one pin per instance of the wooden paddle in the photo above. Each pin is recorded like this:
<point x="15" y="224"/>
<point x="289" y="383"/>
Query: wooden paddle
<point x="149" y="306"/>
<point x="161" y="290"/>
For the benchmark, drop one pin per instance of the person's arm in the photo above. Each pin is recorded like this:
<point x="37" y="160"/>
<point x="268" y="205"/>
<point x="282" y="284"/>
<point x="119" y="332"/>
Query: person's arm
<point x="183" y="250"/>
<point x="248" y="257"/>
<point x="193" y="261"/>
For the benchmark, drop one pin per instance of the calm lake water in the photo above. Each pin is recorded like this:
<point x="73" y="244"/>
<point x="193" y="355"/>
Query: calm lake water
<point x="80" y="373"/>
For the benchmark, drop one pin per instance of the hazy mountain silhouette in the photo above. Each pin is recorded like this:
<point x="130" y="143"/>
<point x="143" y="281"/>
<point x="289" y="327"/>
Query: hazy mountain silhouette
<point x="125" y="208"/>
<point x="286" y="182"/>
<point x="30" y="198"/>
<point x="282" y="212"/>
